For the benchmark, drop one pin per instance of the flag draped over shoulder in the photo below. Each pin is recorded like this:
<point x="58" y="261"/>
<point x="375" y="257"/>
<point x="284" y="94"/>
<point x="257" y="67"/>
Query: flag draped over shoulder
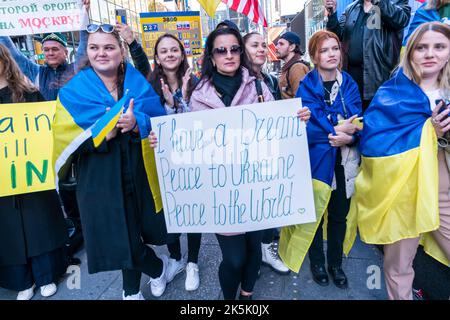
<point x="422" y="15"/>
<point x="296" y="240"/>
<point x="81" y="115"/>
<point x="396" y="192"/>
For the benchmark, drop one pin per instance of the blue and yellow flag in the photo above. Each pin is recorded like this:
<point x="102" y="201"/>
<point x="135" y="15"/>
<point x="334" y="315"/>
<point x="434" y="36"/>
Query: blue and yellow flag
<point x="81" y="115"/>
<point x="296" y="240"/>
<point x="396" y="191"/>
<point x="422" y="15"/>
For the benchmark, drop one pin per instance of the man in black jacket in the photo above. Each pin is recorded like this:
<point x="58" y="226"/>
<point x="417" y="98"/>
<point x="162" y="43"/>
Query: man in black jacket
<point x="371" y="33"/>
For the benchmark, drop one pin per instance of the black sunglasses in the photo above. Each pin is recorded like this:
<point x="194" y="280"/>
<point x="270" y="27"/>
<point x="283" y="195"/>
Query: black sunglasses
<point x="234" y="51"/>
<point x="106" y="28"/>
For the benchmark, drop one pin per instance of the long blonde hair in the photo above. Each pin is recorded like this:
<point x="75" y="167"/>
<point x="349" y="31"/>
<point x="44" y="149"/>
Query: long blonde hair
<point x="17" y="82"/>
<point x="436" y="4"/>
<point x="412" y="70"/>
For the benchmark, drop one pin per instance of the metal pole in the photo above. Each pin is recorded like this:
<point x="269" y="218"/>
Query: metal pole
<point x="30" y="46"/>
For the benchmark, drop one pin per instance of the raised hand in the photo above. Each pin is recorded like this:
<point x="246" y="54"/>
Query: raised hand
<point x="330" y="7"/>
<point x="127" y="121"/>
<point x="168" y="96"/>
<point x="184" y="87"/>
<point x="125" y="32"/>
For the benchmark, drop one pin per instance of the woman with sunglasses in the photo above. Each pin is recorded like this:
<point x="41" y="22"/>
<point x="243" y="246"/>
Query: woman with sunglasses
<point x="32" y="229"/>
<point x="116" y="192"/>
<point x="256" y="49"/>
<point x="137" y="53"/>
<point x="334" y="100"/>
<point x="226" y="82"/>
<point x="173" y="82"/>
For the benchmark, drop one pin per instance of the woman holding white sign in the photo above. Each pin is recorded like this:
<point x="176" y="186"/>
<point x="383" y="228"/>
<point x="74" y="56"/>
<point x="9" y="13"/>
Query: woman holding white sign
<point x="32" y="229"/>
<point x="226" y="82"/>
<point x="257" y="50"/>
<point x="334" y="100"/>
<point x="173" y="82"/>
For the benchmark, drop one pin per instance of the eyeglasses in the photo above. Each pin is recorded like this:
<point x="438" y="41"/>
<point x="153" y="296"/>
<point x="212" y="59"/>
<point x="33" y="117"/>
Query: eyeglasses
<point x="234" y="51"/>
<point x="106" y="28"/>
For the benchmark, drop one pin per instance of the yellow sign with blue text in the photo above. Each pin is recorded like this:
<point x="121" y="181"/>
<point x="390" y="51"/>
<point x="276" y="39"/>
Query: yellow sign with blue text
<point x="185" y="26"/>
<point x="26" y="147"/>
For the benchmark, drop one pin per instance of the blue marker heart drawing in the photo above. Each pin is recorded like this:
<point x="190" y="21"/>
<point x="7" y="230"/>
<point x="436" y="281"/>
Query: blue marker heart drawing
<point x="301" y="210"/>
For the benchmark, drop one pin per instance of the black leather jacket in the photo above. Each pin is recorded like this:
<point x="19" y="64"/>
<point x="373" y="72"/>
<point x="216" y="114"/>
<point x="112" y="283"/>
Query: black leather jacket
<point x="382" y="38"/>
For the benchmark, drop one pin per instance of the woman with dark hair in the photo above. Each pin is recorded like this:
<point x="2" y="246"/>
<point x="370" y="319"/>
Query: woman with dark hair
<point x="116" y="181"/>
<point x="173" y="82"/>
<point x="226" y="82"/>
<point x="32" y="229"/>
<point x="256" y="49"/>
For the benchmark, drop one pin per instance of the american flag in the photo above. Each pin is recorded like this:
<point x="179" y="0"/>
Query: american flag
<point x="250" y="8"/>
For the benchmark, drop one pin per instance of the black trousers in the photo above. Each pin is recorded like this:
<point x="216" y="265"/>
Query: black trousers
<point x="145" y="259"/>
<point x="39" y="270"/>
<point x="241" y="260"/>
<point x="194" y="241"/>
<point x="269" y="235"/>
<point x="337" y="217"/>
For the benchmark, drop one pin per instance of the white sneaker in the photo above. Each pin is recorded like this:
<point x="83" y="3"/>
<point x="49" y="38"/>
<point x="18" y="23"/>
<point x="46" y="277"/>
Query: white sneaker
<point x="26" y="294"/>
<point x="137" y="296"/>
<point x="48" y="290"/>
<point x="192" y="278"/>
<point x="270" y="257"/>
<point x="158" y="285"/>
<point x="174" y="268"/>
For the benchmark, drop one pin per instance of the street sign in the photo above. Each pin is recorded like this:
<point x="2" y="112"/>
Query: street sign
<point x="184" y="25"/>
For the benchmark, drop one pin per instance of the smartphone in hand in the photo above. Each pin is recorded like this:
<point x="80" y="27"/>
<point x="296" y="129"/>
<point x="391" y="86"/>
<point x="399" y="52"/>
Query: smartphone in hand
<point x="121" y="16"/>
<point x="445" y="105"/>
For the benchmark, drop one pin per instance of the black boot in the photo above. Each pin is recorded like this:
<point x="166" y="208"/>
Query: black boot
<point x="319" y="274"/>
<point x="338" y="276"/>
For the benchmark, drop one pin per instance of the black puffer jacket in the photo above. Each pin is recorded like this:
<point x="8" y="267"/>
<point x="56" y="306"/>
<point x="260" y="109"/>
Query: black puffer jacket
<point x="382" y="39"/>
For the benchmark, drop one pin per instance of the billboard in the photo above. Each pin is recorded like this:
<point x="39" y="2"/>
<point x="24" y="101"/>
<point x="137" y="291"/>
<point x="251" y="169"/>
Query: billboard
<point x="184" y="25"/>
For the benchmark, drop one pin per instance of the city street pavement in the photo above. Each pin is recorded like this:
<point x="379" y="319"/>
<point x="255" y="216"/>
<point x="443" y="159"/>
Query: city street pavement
<point x="363" y="268"/>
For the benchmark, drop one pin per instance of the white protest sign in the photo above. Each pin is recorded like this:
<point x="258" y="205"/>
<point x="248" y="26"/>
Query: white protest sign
<point x="20" y="17"/>
<point x="234" y="169"/>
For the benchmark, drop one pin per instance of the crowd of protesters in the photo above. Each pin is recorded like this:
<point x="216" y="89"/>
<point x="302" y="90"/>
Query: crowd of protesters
<point x="356" y="111"/>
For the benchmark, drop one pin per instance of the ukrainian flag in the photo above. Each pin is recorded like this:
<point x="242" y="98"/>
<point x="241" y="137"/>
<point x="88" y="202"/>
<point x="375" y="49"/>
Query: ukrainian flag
<point x="81" y="115"/>
<point x="396" y="194"/>
<point x="422" y="15"/>
<point x="295" y="240"/>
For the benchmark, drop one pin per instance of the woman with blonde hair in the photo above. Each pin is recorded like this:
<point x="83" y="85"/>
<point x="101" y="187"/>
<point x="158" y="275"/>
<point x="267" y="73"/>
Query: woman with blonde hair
<point x="32" y="229"/>
<point x="402" y="193"/>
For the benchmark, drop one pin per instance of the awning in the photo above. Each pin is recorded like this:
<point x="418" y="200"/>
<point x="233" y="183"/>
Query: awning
<point x="273" y="35"/>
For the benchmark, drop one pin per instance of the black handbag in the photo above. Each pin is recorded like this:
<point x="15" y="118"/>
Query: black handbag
<point x="70" y="182"/>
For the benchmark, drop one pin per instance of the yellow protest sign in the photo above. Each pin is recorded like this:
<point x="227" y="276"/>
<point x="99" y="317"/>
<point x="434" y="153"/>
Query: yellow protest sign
<point x="26" y="147"/>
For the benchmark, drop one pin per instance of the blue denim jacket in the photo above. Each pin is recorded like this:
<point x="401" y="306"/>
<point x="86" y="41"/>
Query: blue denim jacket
<point x="48" y="79"/>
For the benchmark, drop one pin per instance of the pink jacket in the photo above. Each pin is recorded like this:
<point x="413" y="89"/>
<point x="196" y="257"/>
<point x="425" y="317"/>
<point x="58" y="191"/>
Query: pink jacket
<point x="205" y="97"/>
